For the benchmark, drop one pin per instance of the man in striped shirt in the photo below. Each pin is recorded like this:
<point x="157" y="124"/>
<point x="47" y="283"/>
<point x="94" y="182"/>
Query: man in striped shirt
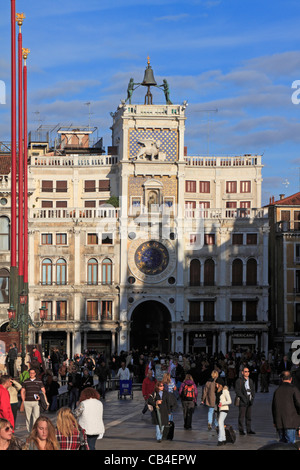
<point x="30" y="394"/>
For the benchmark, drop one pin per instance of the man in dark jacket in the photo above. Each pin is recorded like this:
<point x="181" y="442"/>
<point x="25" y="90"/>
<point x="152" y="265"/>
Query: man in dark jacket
<point x="245" y="390"/>
<point x="286" y="409"/>
<point x="103" y="373"/>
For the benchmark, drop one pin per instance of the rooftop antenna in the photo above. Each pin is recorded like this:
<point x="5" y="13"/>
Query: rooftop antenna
<point x="89" y="106"/>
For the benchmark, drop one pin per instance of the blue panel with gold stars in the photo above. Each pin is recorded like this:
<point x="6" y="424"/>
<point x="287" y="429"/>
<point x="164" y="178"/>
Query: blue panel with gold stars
<point x="168" y="141"/>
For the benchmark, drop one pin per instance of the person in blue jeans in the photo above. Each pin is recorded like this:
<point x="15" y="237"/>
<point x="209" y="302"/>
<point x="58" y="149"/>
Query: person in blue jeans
<point x="286" y="409"/>
<point x="209" y="399"/>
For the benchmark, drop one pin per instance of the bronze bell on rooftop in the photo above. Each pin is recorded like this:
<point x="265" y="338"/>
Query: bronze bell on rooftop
<point x="149" y="79"/>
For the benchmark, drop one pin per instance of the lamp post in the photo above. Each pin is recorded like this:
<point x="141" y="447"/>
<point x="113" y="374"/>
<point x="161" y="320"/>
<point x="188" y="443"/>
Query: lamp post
<point x="23" y="322"/>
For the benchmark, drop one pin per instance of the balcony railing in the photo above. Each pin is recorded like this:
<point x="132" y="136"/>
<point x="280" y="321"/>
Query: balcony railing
<point x="74" y="214"/>
<point x="224" y="213"/>
<point x="288" y="226"/>
<point x="74" y="160"/>
<point x="228" y="161"/>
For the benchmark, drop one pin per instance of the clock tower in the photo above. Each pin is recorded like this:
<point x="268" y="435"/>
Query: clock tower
<point x="150" y="143"/>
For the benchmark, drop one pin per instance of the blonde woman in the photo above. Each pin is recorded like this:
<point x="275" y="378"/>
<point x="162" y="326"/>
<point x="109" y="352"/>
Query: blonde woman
<point x="68" y="432"/>
<point x="209" y="398"/>
<point x="169" y="382"/>
<point x="42" y="436"/>
<point x="223" y="400"/>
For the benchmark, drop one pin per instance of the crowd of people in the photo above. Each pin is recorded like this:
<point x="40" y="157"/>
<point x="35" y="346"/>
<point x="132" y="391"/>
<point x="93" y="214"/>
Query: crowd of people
<point x="168" y="381"/>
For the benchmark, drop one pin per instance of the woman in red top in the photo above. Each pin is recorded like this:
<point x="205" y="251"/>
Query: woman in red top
<point x="68" y="432"/>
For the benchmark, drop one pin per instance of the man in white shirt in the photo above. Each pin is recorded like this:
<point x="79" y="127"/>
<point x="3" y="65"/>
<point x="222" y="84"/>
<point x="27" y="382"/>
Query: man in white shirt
<point x="123" y="372"/>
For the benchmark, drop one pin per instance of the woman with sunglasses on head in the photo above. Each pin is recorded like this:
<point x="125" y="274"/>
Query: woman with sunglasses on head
<point x="7" y="439"/>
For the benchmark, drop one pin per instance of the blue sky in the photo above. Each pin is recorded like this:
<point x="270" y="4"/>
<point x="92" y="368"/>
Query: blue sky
<point x="236" y="58"/>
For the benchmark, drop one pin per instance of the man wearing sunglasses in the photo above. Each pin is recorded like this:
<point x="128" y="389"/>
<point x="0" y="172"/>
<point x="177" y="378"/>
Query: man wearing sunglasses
<point x="245" y="390"/>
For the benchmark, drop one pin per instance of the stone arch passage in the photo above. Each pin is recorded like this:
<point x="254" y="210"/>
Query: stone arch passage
<point x="151" y="327"/>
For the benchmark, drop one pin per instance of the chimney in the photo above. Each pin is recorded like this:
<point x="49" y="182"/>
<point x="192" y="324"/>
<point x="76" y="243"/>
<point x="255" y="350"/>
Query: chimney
<point x="281" y="196"/>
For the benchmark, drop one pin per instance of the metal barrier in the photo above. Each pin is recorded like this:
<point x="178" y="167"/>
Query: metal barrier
<point x="111" y="385"/>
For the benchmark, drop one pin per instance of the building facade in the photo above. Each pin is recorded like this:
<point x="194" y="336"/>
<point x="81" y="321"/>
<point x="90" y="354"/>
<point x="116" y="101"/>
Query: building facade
<point x="284" y="266"/>
<point x="145" y="245"/>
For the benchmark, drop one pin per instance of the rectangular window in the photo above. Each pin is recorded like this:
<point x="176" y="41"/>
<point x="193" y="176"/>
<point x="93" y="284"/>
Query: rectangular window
<point x="92" y="310"/>
<point x="251" y="313"/>
<point x="135" y="206"/>
<point x="231" y="186"/>
<point x="251" y="239"/>
<point x="61" y="310"/>
<point x="61" y="239"/>
<point x="209" y="310"/>
<point x="92" y="239"/>
<point x="48" y="305"/>
<point x="231" y="205"/>
<point x="61" y="186"/>
<point x="237" y="238"/>
<point x="47" y="204"/>
<point x="89" y="203"/>
<point x="194" y="314"/>
<point x="47" y="186"/>
<point x="46" y="238"/>
<point x="190" y="186"/>
<point x="209" y="239"/>
<point x="237" y="310"/>
<point x="202" y="206"/>
<point x="190" y="207"/>
<point x="107" y="239"/>
<point x="90" y="186"/>
<point x="245" y="186"/>
<point x="104" y="185"/>
<point x="204" y="186"/>
<point x="297" y="286"/>
<point x="297" y="253"/>
<point x="106" y="310"/>
<point x="297" y="319"/>
<point x="296" y="220"/>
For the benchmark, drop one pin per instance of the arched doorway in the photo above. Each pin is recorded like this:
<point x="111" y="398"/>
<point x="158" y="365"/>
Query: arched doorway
<point x="150" y="326"/>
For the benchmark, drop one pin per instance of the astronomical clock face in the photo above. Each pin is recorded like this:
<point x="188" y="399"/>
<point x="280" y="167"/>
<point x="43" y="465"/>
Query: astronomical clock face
<point x="151" y="261"/>
<point x="151" y="258"/>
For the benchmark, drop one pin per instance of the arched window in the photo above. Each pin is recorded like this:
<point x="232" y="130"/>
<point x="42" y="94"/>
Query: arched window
<point x="209" y="272"/>
<point x="93" y="271"/>
<point x="61" y="272"/>
<point x="195" y="268"/>
<point x="4" y="234"/>
<point x="4" y="286"/>
<point x="237" y="272"/>
<point x="251" y="276"/>
<point x="47" y="272"/>
<point x="106" y="271"/>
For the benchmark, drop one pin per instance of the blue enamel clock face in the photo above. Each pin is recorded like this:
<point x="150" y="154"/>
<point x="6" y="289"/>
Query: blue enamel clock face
<point x="151" y="258"/>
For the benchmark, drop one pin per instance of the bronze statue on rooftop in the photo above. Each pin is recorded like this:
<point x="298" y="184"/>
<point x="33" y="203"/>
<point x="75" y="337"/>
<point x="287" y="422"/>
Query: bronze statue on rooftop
<point x="148" y="81"/>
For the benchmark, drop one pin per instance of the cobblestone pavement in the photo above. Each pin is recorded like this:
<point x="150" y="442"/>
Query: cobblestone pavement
<point x="128" y="429"/>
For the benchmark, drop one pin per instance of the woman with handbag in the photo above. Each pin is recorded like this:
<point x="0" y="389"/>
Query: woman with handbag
<point x="68" y="432"/>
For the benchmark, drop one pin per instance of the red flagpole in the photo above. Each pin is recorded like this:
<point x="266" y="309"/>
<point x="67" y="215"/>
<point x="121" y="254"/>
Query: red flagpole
<point x="13" y="246"/>
<point x="21" y="175"/>
<point x="25" y="170"/>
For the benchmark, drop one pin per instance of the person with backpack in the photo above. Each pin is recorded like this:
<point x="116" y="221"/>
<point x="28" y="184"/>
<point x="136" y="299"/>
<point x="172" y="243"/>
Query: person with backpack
<point x="188" y="393"/>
